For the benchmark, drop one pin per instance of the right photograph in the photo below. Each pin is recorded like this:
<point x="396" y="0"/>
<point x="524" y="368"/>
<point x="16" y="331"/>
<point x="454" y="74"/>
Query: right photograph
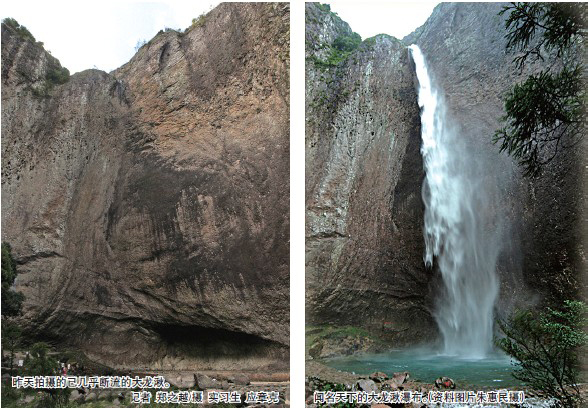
<point x="446" y="196"/>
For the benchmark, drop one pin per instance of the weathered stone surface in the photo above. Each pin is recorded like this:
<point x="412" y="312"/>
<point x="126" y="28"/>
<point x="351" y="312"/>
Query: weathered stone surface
<point x="75" y="395"/>
<point x="400" y="378"/>
<point x="204" y="382"/>
<point x="367" y="385"/>
<point x="239" y="379"/>
<point x="148" y="207"/>
<point x="182" y="381"/>
<point x="364" y="175"/>
<point x="378" y="376"/>
<point x="345" y="346"/>
<point x="541" y="218"/>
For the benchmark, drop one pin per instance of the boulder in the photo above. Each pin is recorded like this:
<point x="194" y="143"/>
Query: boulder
<point x="182" y="380"/>
<point x="389" y="385"/>
<point x="75" y="395"/>
<point x="378" y="376"/>
<point x="367" y="385"/>
<point x="316" y="349"/>
<point x="239" y="379"/>
<point x="400" y="378"/>
<point x="204" y="382"/>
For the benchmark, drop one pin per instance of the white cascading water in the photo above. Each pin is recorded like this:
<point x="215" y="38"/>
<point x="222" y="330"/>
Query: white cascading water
<point x="456" y="229"/>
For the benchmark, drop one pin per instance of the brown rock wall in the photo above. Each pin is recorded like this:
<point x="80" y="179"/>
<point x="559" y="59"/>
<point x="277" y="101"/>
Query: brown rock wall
<point x="148" y="207"/>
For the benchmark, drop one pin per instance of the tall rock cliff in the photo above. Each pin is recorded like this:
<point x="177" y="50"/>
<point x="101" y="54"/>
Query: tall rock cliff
<point x="543" y="218"/>
<point x="364" y="173"/>
<point x="148" y="207"/>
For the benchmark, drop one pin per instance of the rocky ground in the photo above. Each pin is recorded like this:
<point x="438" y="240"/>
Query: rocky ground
<point x="332" y="341"/>
<point x="320" y="377"/>
<point x="239" y="382"/>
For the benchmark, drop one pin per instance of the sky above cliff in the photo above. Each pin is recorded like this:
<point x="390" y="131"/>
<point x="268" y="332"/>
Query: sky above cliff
<point x="87" y="35"/>
<point x="396" y="18"/>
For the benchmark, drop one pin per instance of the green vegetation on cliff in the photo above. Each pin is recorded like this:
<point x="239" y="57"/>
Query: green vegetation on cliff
<point x="55" y="74"/>
<point x="11" y="300"/>
<point x="547" y="112"/>
<point x="21" y="30"/>
<point x="545" y="346"/>
<point x="343" y="45"/>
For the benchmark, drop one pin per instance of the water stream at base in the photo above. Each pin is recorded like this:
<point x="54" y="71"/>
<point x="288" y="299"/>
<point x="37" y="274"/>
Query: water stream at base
<point x="494" y="371"/>
<point x="456" y="230"/>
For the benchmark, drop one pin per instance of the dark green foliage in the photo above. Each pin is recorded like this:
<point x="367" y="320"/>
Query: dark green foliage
<point x="39" y="361"/>
<point x="11" y="339"/>
<point x="22" y="31"/>
<point x="324" y="7"/>
<point x="370" y="42"/>
<point x="58" y="76"/>
<point x="11" y="300"/>
<point x="539" y="113"/>
<point x="559" y="25"/>
<point x="11" y="397"/>
<point x="55" y="76"/>
<point x="546" y="346"/>
<point x="546" y="112"/>
<point x="343" y="45"/>
<point x="199" y="21"/>
<point x="8" y="264"/>
<point x="347" y="43"/>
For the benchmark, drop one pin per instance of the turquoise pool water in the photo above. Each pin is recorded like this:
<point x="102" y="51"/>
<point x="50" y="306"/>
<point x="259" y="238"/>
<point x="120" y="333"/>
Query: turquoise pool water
<point x="493" y="371"/>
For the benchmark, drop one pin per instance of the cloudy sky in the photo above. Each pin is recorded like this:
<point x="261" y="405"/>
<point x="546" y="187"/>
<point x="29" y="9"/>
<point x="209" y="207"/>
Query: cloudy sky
<point x="396" y="18"/>
<point x="103" y="35"/>
<point x="100" y="35"/>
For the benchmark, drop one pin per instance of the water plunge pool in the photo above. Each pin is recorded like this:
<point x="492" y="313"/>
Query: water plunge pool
<point x="425" y="366"/>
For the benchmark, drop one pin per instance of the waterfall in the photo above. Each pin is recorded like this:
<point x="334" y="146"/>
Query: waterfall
<point x="457" y="230"/>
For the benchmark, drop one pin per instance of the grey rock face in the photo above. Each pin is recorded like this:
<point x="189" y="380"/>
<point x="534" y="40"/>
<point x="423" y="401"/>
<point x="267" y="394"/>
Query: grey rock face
<point x="367" y="386"/>
<point x="203" y="382"/>
<point x="364" y="175"/>
<point x="148" y="207"/>
<point x="541" y="218"/>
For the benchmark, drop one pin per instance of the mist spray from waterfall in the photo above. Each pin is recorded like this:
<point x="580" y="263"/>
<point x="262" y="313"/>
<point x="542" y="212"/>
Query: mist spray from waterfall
<point x="457" y="233"/>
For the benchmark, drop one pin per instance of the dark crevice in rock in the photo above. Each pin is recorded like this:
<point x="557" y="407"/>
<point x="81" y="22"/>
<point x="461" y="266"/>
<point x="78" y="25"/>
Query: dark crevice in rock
<point x="37" y="256"/>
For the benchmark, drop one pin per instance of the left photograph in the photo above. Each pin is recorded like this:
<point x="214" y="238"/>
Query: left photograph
<point x="145" y="215"/>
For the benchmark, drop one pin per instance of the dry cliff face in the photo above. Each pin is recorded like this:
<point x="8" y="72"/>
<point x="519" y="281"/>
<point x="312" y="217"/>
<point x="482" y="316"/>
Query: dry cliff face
<point x="542" y="256"/>
<point x="148" y="207"/>
<point x="364" y="175"/>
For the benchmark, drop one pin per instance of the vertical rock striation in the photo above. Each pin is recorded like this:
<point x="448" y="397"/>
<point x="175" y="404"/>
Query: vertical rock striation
<point x="542" y="256"/>
<point x="148" y="207"/>
<point x="364" y="175"/>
